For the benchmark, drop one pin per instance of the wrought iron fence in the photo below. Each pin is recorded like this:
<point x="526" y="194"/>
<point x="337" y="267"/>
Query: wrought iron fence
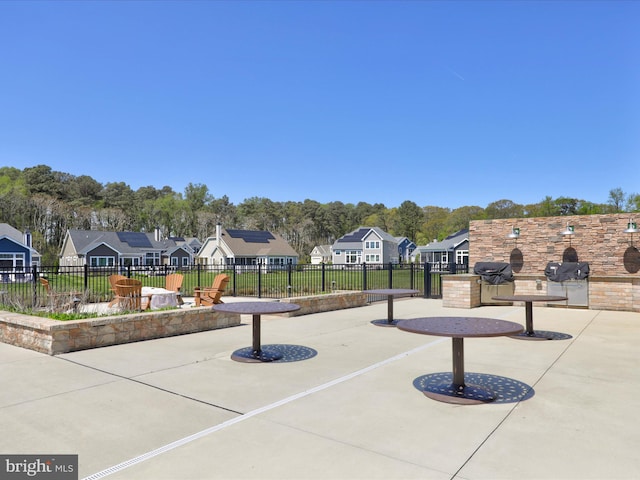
<point x="263" y="281"/>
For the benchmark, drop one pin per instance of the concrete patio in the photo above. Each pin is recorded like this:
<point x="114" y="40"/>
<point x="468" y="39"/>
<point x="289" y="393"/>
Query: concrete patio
<point x="344" y="406"/>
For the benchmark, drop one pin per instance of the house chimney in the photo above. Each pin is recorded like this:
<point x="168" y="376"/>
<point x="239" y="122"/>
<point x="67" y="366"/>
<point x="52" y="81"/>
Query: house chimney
<point x="218" y="233"/>
<point x="157" y="234"/>
<point x="27" y="238"/>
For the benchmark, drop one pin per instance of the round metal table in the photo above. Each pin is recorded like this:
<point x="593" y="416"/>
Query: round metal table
<point x="459" y="328"/>
<point x="256" y="309"/>
<point x="390" y="293"/>
<point x="529" y="333"/>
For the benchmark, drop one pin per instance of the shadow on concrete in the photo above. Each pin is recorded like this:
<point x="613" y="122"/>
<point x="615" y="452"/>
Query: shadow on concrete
<point x="507" y="390"/>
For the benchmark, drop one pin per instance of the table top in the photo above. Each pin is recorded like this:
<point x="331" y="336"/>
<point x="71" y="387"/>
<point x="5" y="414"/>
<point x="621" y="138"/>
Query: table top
<point x="460" y="327"/>
<point x="391" y="291"/>
<point x="256" y="308"/>
<point x="529" y="298"/>
<point x="157" y="291"/>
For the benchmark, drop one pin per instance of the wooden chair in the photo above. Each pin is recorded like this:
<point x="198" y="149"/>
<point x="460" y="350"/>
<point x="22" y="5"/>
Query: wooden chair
<point x="129" y="295"/>
<point x="113" y="279"/>
<point x="173" y="282"/>
<point x="211" y="296"/>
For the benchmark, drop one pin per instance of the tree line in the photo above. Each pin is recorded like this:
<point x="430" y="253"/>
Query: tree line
<point x="48" y="203"/>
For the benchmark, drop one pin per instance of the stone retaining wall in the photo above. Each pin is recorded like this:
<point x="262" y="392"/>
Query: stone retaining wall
<point x="53" y="337"/>
<point x="326" y="303"/>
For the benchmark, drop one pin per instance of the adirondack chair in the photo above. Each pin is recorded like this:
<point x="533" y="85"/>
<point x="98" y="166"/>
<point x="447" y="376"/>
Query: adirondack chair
<point x="59" y="301"/>
<point x="129" y="295"/>
<point x="113" y="279"/>
<point x="173" y="282"/>
<point x="210" y="296"/>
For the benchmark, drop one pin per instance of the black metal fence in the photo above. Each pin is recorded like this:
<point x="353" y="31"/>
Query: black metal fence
<point x="262" y="281"/>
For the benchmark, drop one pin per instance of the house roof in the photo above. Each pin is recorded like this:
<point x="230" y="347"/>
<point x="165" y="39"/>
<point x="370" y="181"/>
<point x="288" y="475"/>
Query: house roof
<point x="125" y="243"/>
<point x="8" y="231"/>
<point x="192" y="242"/>
<point x="449" y="243"/>
<point x="261" y="243"/>
<point x="401" y="240"/>
<point x="16" y="235"/>
<point x="354" y="239"/>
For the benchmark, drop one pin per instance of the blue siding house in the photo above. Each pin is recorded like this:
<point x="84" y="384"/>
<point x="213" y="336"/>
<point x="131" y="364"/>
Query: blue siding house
<point x="17" y="256"/>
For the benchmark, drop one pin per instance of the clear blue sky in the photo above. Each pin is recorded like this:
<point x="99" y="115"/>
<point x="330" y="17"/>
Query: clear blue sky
<point x="441" y="103"/>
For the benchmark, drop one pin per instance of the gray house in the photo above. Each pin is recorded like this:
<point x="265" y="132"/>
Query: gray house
<point x="454" y="247"/>
<point x="123" y="249"/>
<point x="365" y="245"/>
<point x="17" y="256"/>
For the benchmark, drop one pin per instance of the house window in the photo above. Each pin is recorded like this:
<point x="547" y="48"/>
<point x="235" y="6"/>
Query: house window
<point x="372" y="244"/>
<point x="462" y="256"/>
<point x="353" y="256"/>
<point x="372" y="258"/>
<point x="152" y="258"/>
<point x="103" y="261"/>
<point x="12" y="260"/>
<point x="338" y="252"/>
<point x="185" y="261"/>
<point x="174" y="261"/>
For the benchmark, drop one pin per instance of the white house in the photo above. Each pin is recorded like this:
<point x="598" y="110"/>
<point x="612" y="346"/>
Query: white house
<point x="320" y="254"/>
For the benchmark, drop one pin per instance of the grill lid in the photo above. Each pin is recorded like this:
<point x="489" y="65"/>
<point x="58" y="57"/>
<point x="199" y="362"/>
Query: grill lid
<point x="495" y="273"/>
<point x="559" y="272"/>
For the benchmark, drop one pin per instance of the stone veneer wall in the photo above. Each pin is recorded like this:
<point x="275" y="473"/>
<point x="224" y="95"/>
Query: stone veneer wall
<point x="598" y="239"/>
<point x="53" y="337"/>
<point x="326" y="303"/>
<point x="460" y="291"/>
<point x="605" y="293"/>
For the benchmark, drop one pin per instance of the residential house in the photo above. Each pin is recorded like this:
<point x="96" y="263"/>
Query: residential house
<point x="17" y="255"/>
<point x="122" y="249"/>
<point x="320" y="254"/>
<point x="365" y="245"/>
<point x="405" y="249"/>
<point x="246" y="247"/>
<point x="453" y="248"/>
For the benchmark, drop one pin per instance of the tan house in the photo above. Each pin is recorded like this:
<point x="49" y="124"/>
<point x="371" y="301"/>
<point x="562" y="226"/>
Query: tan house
<point x="246" y="247"/>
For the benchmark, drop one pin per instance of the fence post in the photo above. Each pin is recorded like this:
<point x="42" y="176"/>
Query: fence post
<point x="235" y="280"/>
<point x="86" y="277"/>
<point x="36" y="278"/>
<point x="259" y="280"/>
<point x="289" y="286"/>
<point x="323" y="278"/>
<point x="390" y="275"/>
<point x="411" y="279"/>
<point x="427" y="280"/>
<point x="452" y="266"/>
<point x="364" y="276"/>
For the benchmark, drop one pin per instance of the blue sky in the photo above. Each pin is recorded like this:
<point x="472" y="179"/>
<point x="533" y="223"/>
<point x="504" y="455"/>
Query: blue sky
<point x="441" y="103"/>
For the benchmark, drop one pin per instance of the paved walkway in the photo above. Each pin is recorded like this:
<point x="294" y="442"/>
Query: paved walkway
<point x="344" y="406"/>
